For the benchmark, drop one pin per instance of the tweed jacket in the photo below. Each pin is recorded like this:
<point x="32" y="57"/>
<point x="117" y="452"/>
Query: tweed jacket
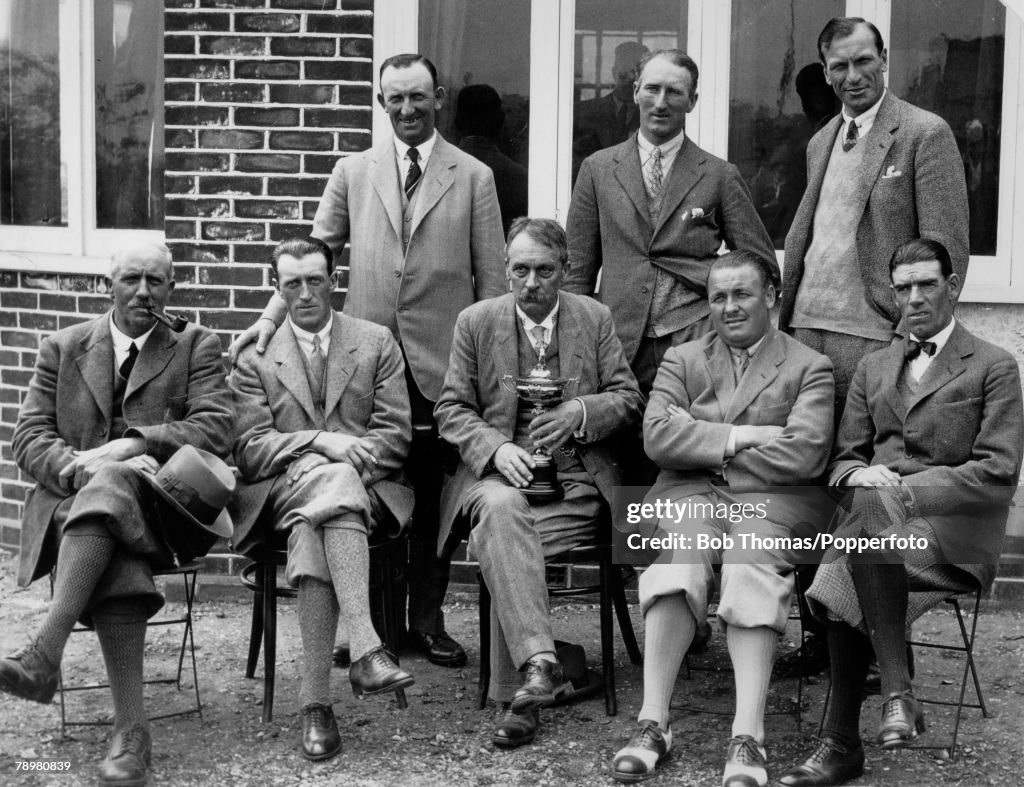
<point x="911" y="186"/>
<point x="365" y="396"/>
<point x="175" y="395"/>
<point x="786" y="384"/>
<point x="957" y="445"/>
<point x="610" y="230"/>
<point x="477" y="409"/>
<point x="455" y="254"/>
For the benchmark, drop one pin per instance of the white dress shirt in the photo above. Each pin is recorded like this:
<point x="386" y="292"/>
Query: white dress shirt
<point x="402" y="155"/>
<point x="668" y="152"/>
<point x="123" y="342"/>
<point x="305" y="338"/>
<point x="920" y="364"/>
<point x="865" y="120"/>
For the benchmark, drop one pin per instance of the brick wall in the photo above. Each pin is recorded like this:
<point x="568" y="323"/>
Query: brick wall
<point x="261" y="98"/>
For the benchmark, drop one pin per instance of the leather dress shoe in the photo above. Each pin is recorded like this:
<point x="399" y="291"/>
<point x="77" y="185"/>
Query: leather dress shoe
<point x="830" y="764"/>
<point x="377" y="673"/>
<point x="648" y="747"/>
<point x="902" y="721"/>
<point x="29" y="674"/>
<point x="128" y="759"/>
<point x="515" y="729"/>
<point x="439" y="649"/>
<point x="543" y="681"/>
<point x="320" y="737"/>
<point x="342" y="656"/>
<point x="746" y="764"/>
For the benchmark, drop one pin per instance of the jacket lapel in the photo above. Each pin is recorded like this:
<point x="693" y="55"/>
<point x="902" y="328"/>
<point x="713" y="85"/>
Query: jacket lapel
<point x="285" y="350"/>
<point x="571" y="342"/>
<point x="718" y="364"/>
<point x="877" y="142"/>
<point x="342" y="359"/>
<point x="629" y="175"/>
<point x="686" y="172"/>
<point x="383" y="176"/>
<point x="156" y="353"/>
<point x="761" y="372"/>
<point x="893" y="366"/>
<point x="437" y="179"/>
<point x="505" y="352"/>
<point x="946" y="366"/>
<point x="96" y="365"/>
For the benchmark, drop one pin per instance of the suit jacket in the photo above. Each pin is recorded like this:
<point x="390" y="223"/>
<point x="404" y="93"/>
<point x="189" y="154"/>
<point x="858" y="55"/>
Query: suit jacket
<point x="609" y="229"/>
<point x="477" y="409"/>
<point x="366" y="396"/>
<point x="957" y="445"/>
<point x="786" y="384"/>
<point x="455" y="254"/>
<point x="911" y="186"/>
<point x="175" y="395"/>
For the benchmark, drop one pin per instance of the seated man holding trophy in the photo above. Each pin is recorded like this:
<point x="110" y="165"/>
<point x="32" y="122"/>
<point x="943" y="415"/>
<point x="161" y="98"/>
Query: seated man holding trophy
<point x="537" y="384"/>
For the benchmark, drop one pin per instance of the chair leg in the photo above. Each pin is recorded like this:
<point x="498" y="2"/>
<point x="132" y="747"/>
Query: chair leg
<point x="389" y="634"/>
<point x="485" y="642"/>
<point x="256" y="630"/>
<point x="190" y="597"/>
<point x="607" y="636"/>
<point x="269" y="639"/>
<point x="622" y="613"/>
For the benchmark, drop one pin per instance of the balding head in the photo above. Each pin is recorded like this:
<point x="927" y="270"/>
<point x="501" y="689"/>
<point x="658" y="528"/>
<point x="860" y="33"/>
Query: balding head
<point x="141" y="280"/>
<point x="139" y="250"/>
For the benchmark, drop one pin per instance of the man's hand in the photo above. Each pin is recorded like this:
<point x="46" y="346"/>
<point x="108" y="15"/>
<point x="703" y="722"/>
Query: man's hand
<point x="876" y="475"/>
<point x="356" y="451"/>
<point x="514" y="463"/>
<point x="299" y="467"/>
<point x="754" y="436"/>
<point x="259" y="332"/>
<point x="553" y="429"/>
<point x="86" y="464"/>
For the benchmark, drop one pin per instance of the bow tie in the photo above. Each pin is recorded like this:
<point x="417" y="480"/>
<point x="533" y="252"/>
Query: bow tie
<point x="914" y="349"/>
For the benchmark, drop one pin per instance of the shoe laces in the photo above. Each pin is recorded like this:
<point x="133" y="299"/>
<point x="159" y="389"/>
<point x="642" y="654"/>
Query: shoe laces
<point x="648" y="736"/>
<point x="891" y="709"/>
<point x="745" y="750"/>
<point x="320" y="714"/>
<point x="824" y="750"/>
<point x="381" y="658"/>
<point x="130" y="741"/>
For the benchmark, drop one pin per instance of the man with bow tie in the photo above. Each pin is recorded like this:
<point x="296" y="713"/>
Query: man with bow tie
<point x="930" y="447"/>
<point x="479" y="413"/>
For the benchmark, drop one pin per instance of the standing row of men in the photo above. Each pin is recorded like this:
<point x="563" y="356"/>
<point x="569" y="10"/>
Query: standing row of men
<point x="324" y="429"/>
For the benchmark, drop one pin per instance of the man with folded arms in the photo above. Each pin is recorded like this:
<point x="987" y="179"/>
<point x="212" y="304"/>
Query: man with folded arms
<point x="323" y="424"/>
<point x="930" y="446"/>
<point x="731" y="418"/>
<point x="111" y="399"/>
<point x="479" y="413"/>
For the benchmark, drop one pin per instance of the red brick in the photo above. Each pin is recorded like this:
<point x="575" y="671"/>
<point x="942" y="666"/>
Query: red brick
<point x="352" y="142"/>
<point x="279" y="116"/>
<point x="202" y="253"/>
<point x="280" y="232"/>
<point x="266" y="162"/>
<point x="180" y="230"/>
<point x="177" y="68"/>
<point x="38" y="321"/>
<point x="20" y="377"/>
<point x="8" y="319"/>
<point x="56" y="302"/>
<point x="319" y="165"/>
<point x="296" y="187"/>
<point x="267" y="23"/>
<point x="202" y="162"/>
<point x="253" y="252"/>
<point x="179" y="184"/>
<point x="266" y="209"/>
<point x="179" y="3"/>
<point x="349" y="24"/>
<point x="195" y="116"/>
<point x="338" y="118"/>
<point x="231" y="139"/>
<point x="356" y="47"/>
<point x="8" y="279"/>
<point x="11" y="358"/>
<point x="47" y="281"/>
<point x="232" y="45"/>
<point x="184" y="138"/>
<point x="19" y="300"/>
<point x="235" y="275"/>
<point x="179" y="45"/>
<point x="232" y="92"/>
<point x="339" y="70"/>
<point x="179" y="91"/>
<point x="80" y="283"/>
<point x="252" y="299"/>
<point x="294" y="46"/>
<point x="225" y="230"/>
<point x="198" y="207"/>
<point x="309" y="210"/>
<point x="19" y="339"/>
<point x="13" y="492"/>
<point x="301" y="140"/>
<point x="302" y="94"/>
<point x="232" y="4"/>
<point x="93" y="304"/>
<point x="174" y="21"/>
<point x="216" y="184"/>
<point x="266" y="69"/>
<point x="356" y="95"/>
<point x="233" y="320"/>
<point x="307" y="5"/>
<point x="67" y="320"/>
<point x="195" y="297"/>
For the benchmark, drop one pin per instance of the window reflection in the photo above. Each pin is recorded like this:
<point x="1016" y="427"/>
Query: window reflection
<point x="33" y="186"/>
<point x="947" y="57"/>
<point x="778" y="100"/>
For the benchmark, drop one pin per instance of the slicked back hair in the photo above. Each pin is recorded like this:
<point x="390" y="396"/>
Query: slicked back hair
<point x="299" y="248"/>
<point x="843" y="26"/>
<point x="921" y="250"/>
<point x="676" y="57"/>
<point x="546" y="232"/>
<point x="408" y="59"/>
<point x="741" y="257"/>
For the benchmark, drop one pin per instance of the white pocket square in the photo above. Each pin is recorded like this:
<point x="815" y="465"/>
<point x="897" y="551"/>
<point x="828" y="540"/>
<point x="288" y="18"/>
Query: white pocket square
<point x="892" y="172"/>
<point x="695" y="213"/>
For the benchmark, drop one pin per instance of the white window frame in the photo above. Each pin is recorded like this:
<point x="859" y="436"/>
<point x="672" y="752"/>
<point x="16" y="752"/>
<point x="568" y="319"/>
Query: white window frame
<point x="78" y="248"/>
<point x="997" y="278"/>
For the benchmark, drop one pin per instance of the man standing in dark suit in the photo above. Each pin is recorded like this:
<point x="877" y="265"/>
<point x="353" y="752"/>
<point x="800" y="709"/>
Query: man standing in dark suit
<point x="111" y="398"/>
<point x="480" y="414"/>
<point x="881" y="173"/>
<point x="651" y="214"/>
<point x="930" y="446"/>
<point x="323" y="432"/>
<point x="424" y="228"/>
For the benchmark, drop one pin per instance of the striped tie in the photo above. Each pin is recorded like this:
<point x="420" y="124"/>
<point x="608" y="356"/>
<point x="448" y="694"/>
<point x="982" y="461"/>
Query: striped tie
<point x="412" y="179"/>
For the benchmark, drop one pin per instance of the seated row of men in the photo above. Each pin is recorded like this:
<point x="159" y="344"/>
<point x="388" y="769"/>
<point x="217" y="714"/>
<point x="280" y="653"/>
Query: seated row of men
<point x="319" y="427"/>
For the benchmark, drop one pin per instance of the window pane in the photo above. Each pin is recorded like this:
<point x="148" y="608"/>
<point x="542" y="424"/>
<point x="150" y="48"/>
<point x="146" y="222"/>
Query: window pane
<point x="482" y="53"/>
<point x="611" y="37"/>
<point x="33" y="186"/>
<point x="129" y="114"/>
<point x="946" y="56"/>
<point x="778" y="99"/>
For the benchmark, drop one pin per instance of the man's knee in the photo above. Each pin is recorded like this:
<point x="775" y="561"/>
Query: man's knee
<point x="755" y="594"/>
<point x="329" y="479"/>
<point x="491" y="501"/>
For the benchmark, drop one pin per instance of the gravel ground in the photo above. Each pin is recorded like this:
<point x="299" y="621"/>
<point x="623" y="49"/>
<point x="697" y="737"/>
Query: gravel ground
<point x="442" y="738"/>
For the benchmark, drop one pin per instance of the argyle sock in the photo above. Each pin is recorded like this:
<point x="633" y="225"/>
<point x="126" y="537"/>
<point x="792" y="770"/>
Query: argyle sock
<point x="318" y="621"/>
<point x="752" y="651"/>
<point x="348" y="558"/>
<point x="123" y="643"/>
<point x="849" y="652"/>
<point x="81" y="562"/>
<point x="882" y="590"/>
<point x="669" y="627"/>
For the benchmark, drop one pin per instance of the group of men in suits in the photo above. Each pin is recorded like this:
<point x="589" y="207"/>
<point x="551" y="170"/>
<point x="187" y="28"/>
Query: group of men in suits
<point x="340" y="414"/>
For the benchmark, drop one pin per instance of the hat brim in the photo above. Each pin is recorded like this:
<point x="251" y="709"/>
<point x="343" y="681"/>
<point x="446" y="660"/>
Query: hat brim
<point x="221" y="526"/>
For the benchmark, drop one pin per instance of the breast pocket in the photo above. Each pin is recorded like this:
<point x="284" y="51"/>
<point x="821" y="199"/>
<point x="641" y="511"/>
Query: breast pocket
<point x="953" y="429"/>
<point x="175" y="409"/>
<point x="772" y="415"/>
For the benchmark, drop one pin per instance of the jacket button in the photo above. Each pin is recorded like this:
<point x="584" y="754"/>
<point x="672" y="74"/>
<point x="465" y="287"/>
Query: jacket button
<point x="643" y="289"/>
<point x="403" y="308"/>
<point x="908" y="455"/>
<point x="398" y="274"/>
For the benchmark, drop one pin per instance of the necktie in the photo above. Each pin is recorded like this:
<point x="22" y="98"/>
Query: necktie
<point x="655" y="175"/>
<point x="317" y="366"/>
<point x="914" y="349"/>
<point x="541" y="346"/>
<point x="740" y="362"/>
<point x="412" y="179"/>
<point x="129" y="363"/>
<point x="852" y="135"/>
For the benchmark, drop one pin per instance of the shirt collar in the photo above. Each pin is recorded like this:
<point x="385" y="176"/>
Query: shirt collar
<point x="547" y="323"/>
<point x="122" y="341"/>
<point x="305" y="338"/>
<point x="424" y="149"/>
<point x="667" y="148"/>
<point x="940" y="338"/>
<point x="751" y="350"/>
<point x="866" y="119"/>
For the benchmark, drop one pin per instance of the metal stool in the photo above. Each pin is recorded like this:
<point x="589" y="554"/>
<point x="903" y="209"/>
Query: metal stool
<point x="188" y="573"/>
<point x="260" y="577"/>
<point x="611" y="586"/>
